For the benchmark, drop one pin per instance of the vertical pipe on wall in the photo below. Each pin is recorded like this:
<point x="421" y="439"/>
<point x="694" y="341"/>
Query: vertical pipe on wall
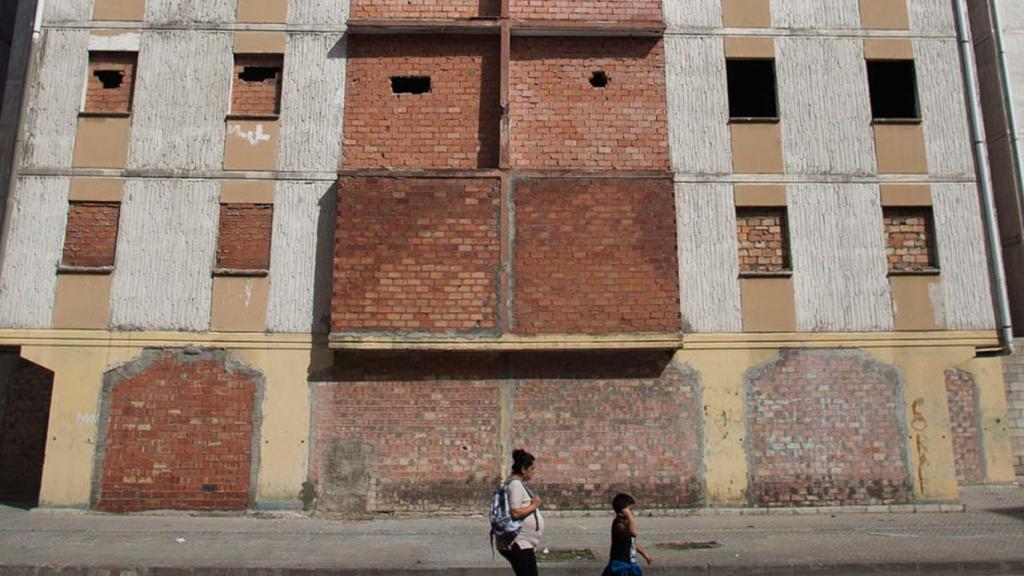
<point x="996" y="264"/>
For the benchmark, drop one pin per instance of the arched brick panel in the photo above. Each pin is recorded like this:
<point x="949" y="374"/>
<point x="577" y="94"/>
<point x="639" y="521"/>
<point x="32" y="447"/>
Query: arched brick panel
<point x="961" y="392"/>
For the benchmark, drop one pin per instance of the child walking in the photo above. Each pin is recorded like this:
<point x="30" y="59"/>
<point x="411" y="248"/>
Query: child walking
<point x="622" y="557"/>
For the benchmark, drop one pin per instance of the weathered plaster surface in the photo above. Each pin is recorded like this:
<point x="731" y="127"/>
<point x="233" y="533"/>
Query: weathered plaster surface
<point x="838" y="252"/>
<point x="181" y="99"/>
<point x="962" y="257"/>
<point x="56" y="98"/>
<point x="698" y="102"/>
<point x="302" y="256"/>
<point x="829" y="14"/>
<point x="1013" y="43"/>
<point x="932" y="16"/>
<point x="28" y="279"/>
<point x="708" y="266"/>
<point x="693" y="13"/>
<point x="67" y="10"/>
<point x="165" y="255"/>
<point x="824" y="104"/>
<point x="332" y="13"/>
<point x="943" y="109"/>
<point x="190" y="11"/>
<point x="313" y="102"/>
<point x="1011" y="17"/>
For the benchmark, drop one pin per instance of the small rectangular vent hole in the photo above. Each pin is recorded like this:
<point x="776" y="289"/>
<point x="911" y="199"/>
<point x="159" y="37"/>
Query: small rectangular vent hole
<point x="410" y="84"/>
<point x="111" y="79"/>
<point x="258" y="73"/>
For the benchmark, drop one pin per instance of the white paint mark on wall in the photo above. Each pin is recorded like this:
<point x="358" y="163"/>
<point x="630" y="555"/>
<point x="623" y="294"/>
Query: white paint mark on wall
<point x="318" y="12"/>
<point x="962" y="257"/>
<point x="67" y="11"/>
<point x="693" y="13"/>
<point x="165" y="255"/>
<point x="830" y="14"/>
<point x="312" y="103"/>
<point x="698" y="101"/>
<point x="938" y="302"/>
<point x="708" y="265"/>
<point x="301" y="260"/>
<point x="191" y="11"/>
<point x="52" y="118"/>
<point x="943" y="109"/>
<point x="839" y="265"/>
<point x="825" y="108"/>
<point x="127" y="42"/>
<point x="933" y="16"/>
<point x="253" y="137"/>
<point x="86" y="418"/>
<point x="181" y="100"/>
<point x="28" y="279"/>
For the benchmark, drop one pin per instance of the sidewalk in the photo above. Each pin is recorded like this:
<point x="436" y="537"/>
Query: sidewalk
<point x="987" y="538"/>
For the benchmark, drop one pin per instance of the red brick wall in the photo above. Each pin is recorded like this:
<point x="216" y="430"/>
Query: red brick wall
<point x="910" y="241"/>
<point x="244" y="239"/>
<point x="763" y="241"/>
<point x="179" y="434"/>
<point x="586" y="9"/>
<point x="424" y="8"/>
<point x="455" y="125"/>
<point x="23" y="431"/>
<point x="115" y="99"/>
<point x="90" y="238"/>
<point x="560" y="121"/>
<point x="256" y="96"/>
<point x="416" y="255"/>
<point x="963" y="420"/>
<point x="824" y="430"/>
<point x="595" y="256"/>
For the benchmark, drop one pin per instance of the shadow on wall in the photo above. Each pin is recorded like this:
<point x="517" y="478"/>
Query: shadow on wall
<point x="322" y="275"/>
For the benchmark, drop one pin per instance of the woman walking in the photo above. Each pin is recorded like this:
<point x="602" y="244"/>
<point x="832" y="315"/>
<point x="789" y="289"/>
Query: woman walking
<point x="524" y="505"/>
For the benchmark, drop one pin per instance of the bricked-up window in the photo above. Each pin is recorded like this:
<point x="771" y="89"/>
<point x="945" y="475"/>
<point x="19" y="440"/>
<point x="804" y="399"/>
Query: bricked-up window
<point x="910" y="239"/>
<point x="90" y="238"/>
<point x="893" y="86"/>
<point x="752" y="92"/>
<point x="111" y="82"/>
<point x="256" y="90"/>
<point x="243" y="244"/>
<point x="762" y="240"/>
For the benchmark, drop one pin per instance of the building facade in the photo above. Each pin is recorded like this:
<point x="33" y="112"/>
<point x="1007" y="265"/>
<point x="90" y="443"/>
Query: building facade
<point x="345" y="256"/>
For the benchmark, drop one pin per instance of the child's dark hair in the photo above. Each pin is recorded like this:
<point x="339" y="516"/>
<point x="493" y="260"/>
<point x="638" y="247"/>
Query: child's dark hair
<point x="521" y="460"/>
<point x="622" y="501"/>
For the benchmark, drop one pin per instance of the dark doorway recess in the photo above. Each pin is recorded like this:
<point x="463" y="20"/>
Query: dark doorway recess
<point x="25" y="392"/>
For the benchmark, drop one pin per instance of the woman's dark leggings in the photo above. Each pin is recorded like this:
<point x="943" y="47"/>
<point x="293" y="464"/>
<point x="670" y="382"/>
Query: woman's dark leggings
<point x="524" y="562"/>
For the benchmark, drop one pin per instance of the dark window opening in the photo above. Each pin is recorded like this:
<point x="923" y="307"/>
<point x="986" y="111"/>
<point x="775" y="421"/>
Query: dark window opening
<point x="599" y="79"/>
<point x="258" y="73"/>
<point x="752" y="89"/>
<point x="410" y="84"/>
<point x="111" y="79"/>
<point x="893" y="86"/>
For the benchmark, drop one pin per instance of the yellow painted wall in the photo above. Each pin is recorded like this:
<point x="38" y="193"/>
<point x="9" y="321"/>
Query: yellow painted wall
<point x="997" y="450"/>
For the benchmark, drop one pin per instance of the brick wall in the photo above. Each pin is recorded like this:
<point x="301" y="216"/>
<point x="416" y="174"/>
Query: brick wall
<point x="256" y="89"/>
<point x="90" y="238"/>
<point x="23" y="429"/>
<point x="416" y="255"/>
<point x="1013" y="375"/>
<point x="595" y="256"/>
<point x="586" y="9"/>
<point x="118" y="69"/>
<point x="424" y="8"/>
<point x="910" y="240"/>
<point x="559" y="120"/>
<point x="762" y="239"/>
<point x="178" y="433"/>
<point x="963" y="420"/>
<point x="243" y="242"/>
<point x="824" y="430"/>
<point x="455" y="125"/>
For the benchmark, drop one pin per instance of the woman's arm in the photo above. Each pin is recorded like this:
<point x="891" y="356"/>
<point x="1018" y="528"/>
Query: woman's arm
<point x="518" y="509"/>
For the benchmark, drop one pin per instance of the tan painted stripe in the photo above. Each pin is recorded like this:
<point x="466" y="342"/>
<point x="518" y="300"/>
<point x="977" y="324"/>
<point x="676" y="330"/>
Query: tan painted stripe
<point x="888" y="49"/>
<point x="247" y="192"/>
<point x="749" y="47"/>
<point x="760" y="195"/>
<point x="96" y="190"/>
<point x="259" y="42"/>
<point x="906" y="194"/>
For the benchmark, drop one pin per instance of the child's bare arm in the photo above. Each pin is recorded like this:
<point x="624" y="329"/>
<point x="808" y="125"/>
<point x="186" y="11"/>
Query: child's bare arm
<point x="630" y="522"/>
<point x="640" y="550"/>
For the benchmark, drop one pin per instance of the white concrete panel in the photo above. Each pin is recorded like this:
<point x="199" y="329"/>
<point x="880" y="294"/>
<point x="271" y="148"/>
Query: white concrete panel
<point x="825" y="107"/>
<point x="692" y="13"/>
<point x="1014" y="46"/>
<point x="708" y="266"/>
<point x="698" y="101"/>
<point x="1010" y="14"/>
<point x="940" y="90"/>
<point x="312" y="103"/>
<point x="931" y="16"/>
<point x="301" y="258"/>
<point x="962" y="257"/>
<point x="828" y="14"/>
<point x="331" y="13"/>
<point x="190" y="11"/>
<point x="839" y="265"/>
<point x="35" y="241"/>
<point x="165" y="255"/>
<point x="66" y="10"/>
<point x="182" y="95"/>
<point x="56" y="98"/>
